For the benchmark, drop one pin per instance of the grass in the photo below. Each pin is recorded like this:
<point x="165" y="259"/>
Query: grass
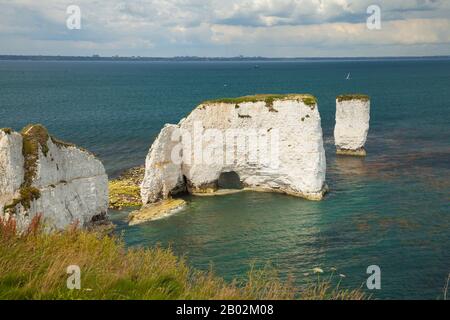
<point x="355" y="96"/>
<point x="27" y="195"/>
<point x="35" y="137"/>
<point x="445" y="296"/>
<point x="307" y="99"/>
<point x="34" y="264"/>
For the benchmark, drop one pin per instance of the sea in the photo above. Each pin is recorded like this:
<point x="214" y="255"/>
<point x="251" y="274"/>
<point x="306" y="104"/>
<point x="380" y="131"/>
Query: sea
<point x="390" y="209"/>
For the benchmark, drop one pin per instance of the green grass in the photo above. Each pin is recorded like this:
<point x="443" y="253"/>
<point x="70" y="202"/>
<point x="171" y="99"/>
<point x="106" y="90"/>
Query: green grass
<point x="355" y="96"/>
<point x="35" y="137"/>
<point x="33" y="266"/>
<point x="27" y="195"/>
<point x="307" y="99"/>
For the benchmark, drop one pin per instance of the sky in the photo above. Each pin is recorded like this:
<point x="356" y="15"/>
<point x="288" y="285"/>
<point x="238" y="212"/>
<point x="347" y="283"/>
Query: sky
<point x="225" y="28"/>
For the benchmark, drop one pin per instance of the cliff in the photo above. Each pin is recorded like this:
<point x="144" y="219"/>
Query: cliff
<point x="352" y="124"/>
<point x="271" y="142"/>
<point x="42" y="175"/>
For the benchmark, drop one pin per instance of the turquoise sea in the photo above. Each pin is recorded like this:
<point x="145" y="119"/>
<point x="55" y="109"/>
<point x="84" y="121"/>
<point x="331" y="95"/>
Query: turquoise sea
<point x="390" y="209"/>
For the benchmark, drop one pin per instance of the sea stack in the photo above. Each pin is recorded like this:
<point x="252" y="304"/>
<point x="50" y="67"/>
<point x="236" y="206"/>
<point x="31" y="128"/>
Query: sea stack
<point x="352" y="124"/>
<point x="42" y="175"/>
<point x="287" y="155"/>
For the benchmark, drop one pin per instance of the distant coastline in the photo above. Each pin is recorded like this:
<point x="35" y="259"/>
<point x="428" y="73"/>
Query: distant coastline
<point x="219" y="59"/>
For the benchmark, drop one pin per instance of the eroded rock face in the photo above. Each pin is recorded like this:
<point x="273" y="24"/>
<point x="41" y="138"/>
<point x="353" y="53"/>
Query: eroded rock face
<point x="41" y="175"/>
<point x="11" y="166"/>
<point x="293" y="163"/>
<point x="352" y="124"/>
<point x="162" y="175"/>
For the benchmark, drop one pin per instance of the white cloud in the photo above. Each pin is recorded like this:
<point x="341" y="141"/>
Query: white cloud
<point x="202" y="27"/>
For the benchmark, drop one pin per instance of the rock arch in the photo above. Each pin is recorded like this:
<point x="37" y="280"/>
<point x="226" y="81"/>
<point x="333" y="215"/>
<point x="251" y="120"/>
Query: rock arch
<point x="173" y="160"/>
<point x="229" y="180"/>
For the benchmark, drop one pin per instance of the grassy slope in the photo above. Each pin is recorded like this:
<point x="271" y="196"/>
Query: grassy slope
<point x="33" y="266"/>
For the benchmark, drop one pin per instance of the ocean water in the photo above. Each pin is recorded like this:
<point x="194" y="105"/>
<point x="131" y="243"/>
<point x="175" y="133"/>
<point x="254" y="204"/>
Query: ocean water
<point x="390" y="209"/>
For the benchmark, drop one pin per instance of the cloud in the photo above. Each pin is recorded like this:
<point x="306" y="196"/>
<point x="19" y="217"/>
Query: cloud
<point x="404" y="32"/>
<point x="202" y="27"/>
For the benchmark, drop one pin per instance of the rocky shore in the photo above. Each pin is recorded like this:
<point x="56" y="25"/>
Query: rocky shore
<point x="156" y="211"/>
<point x="124" y="191"/>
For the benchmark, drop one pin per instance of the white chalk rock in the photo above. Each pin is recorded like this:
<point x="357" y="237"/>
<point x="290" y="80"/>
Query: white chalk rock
<point x="162" y="175"/>
<point x="282" y="149"/>
<point x="63" y="183"/>
<point x="11" y="166"/>
<point x="352" y="124"/>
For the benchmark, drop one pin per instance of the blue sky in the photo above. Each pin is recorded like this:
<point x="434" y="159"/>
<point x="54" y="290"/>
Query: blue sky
<point x="272" y="28"/>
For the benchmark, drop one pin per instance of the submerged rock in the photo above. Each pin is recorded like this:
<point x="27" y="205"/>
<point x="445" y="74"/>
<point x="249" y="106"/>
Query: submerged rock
<point x="42" y="175"/>
<point x="352" y="124"/>
<point x="293" y="164"/>
<point x="156" y="211"/>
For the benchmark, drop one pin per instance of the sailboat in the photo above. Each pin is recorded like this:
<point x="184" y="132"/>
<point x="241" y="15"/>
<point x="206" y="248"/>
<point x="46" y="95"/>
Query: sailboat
<point x="348" y="76"/>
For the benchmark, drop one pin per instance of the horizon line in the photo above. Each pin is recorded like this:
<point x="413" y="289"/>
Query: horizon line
<point x="239" y="57"/>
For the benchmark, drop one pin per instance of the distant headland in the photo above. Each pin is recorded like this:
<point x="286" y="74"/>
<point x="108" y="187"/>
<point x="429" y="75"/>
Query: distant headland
<point x="96" y="57"/>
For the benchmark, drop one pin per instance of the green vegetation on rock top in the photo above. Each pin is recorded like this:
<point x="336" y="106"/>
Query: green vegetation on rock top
<point x="307" y="99"/>
<point x="6" y="130"/>
<point x="355" y="96"/>
<point x="34" y="136"/>
<point x="65" y="144"/>
<point x="61" y="144"/>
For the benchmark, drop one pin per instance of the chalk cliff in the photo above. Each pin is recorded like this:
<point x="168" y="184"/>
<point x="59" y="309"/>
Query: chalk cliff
<point x="42" y="175"/>
<point x="272" y="142"/>
<point x="352" y="124"/>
